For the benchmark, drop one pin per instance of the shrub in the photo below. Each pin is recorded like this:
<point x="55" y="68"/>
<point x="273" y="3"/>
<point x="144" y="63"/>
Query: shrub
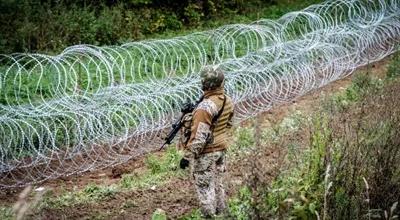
<point x="350" y="169"/>
<point x="394" y="67"/>
<point x="53" y="25"/>
<point x="241" y="207"/>
<point x="168" y="162"/>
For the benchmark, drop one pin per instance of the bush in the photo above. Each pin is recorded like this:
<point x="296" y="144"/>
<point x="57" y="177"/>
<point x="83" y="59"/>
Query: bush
<point x="53" y="25"/>
<point x="394" y="67"/>
<point x="168" y="162"/>
<point x="350" y="169"/>
<point x="241" y="207"/>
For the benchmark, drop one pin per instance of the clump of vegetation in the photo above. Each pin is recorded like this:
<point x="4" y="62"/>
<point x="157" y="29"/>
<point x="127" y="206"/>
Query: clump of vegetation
<point x="362" y="85"/>
<point x="349" y="170"/>
<point x="6" y="213"/>
<point x="52" y="25"/>
<point x="394" y="67"/>
<point x="243" y="140"/>
<point x="241" y="206"/>
<point x="160" y="169"/>
<point x="159" y="215"/>
<point x="91" y="193"/>
<point x="167" y="162"/>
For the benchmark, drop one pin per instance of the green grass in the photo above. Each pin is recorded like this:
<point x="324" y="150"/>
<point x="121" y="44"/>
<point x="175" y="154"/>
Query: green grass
<point x="243" y="139"/>
<point x="90" y="194"/>
<point x="241" y="205"/>
<point x="99" y="77"/>
<point x="354" y="134"/>
<point x="6" y="213"/>
<point x="23" y="88"/>
<point x="159" y="170"/>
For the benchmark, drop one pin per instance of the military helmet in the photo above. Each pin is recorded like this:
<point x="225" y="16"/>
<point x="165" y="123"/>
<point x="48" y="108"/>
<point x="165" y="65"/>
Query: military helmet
<point x="212" y="77"/>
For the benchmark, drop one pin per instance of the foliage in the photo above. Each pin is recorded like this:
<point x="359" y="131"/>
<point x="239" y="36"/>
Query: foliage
<point x="244" y="138"/>
<point x="53" y="25"/>
<point x="167" y="162"/>
<point x="6" y="213"/>
<point x="362" y="85"/>
<point x="350" y="169"/>
<point x="194" y="215"/>
<point x="160" y="169"/>
<point x="394" y="67"/>
<point x="146" y="180"/>
<point x="91" y="193"/>
<point x="240" y="207"/>
<point x="159" y="215"/>
<point x="297" y="191"/>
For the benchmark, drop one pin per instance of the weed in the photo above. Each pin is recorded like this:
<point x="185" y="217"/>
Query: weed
<point x="159" y="214"/>
<point x="92" y="193"/>
<point x="241" y="207"/>
<point x="160" y="169"/>
<point x="168" y="162"/>
<point x="6" y="213"/>
<point x="243" y="140"/>
<point x="144" y="181"/>
<point x="394" y="67"/>
<point x="194" y="215"/>
<point x="96" y="192"/>
<point x="362" y="85"/>
<point x="297" y="191"/>
<point x="350" y="169"/>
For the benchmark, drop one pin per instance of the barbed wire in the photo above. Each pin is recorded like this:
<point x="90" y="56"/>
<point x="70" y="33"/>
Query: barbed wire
<point x="93" y="107"/>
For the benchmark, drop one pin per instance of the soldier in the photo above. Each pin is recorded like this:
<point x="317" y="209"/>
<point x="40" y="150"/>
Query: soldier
<point x="206" y="141"/>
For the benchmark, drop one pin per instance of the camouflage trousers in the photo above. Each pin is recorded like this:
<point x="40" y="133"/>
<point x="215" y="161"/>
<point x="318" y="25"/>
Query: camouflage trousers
<point x="208" y="171"/>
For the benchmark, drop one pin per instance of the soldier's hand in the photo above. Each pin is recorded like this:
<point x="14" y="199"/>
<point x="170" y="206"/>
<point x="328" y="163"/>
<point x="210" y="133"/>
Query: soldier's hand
<point x="183" y="163"/>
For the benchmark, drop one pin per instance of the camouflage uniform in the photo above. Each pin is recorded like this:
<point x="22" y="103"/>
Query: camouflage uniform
<point x="208" y="171"/>
<point x="208" y="155"/>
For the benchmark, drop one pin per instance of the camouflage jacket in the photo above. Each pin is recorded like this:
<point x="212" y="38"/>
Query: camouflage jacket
<point x="201" y="123"/>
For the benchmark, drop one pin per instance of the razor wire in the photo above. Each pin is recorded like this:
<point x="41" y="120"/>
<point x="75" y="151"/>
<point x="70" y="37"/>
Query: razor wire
<point x="92" y="107"/>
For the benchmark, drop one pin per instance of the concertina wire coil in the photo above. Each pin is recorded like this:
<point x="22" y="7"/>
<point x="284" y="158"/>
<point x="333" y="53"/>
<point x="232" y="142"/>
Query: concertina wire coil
<point x="93" y="107"/>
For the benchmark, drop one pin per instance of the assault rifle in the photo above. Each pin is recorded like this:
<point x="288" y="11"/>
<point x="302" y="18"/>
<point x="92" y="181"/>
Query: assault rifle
<point x="187" y="108"/>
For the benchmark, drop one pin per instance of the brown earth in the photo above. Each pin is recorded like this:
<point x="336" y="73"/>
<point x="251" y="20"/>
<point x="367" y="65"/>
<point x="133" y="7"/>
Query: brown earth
<point x="177" y="197"/>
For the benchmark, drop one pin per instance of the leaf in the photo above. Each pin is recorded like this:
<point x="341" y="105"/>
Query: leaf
<point x="393" y="208"/>
<point x="159" y="214"/>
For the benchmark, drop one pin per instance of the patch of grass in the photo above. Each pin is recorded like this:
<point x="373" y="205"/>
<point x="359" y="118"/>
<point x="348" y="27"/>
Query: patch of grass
<point x="394" y="67"/>
<point x="160" y="169"/>
<point x="167" y="162"/>
<point x="362" y="85"/>
<point x="92" y="193"/>
<point x="6" y="213"/>
<point x="241" y="206"/>
<point x="159" y="215"/>
<point x="350" y="169"/>
<point x="193" y="215"/>
<point x="145" y="181"/>
<point x="243" y="139"/>
<point x="291" y="123"/>
<point x="96" y="192"/>
<point x="298" y="190"/>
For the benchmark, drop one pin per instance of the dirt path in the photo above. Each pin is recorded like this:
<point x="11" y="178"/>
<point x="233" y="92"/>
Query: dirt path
<point x="177" y="196"/>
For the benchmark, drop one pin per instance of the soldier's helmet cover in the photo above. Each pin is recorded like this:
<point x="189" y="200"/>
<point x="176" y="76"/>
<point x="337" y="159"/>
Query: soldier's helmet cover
<point x="212" y="77"/>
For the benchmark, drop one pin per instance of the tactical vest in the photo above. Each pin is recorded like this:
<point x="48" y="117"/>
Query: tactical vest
<point x="218" y="140"/>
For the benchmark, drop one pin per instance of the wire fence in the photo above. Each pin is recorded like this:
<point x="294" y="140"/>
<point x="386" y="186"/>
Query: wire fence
<point x="93" y="107"/>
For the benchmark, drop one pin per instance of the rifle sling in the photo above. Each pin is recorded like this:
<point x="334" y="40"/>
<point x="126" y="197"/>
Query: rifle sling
<point x="215" y="118"/>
